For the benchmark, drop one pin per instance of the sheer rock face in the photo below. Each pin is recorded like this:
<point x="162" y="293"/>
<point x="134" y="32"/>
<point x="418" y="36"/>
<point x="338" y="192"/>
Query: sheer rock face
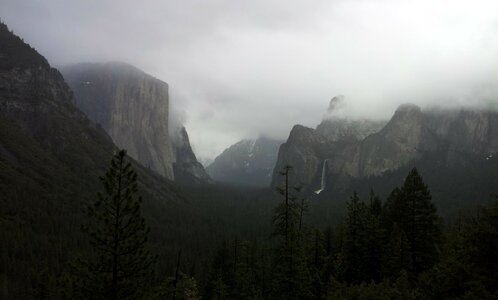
<point x="133" y="108"/>
<point x="248" y="162"/>
<point x="411" y="134"/>
<point x="187" y="169"/>
<point x="402" y="140"/>
<point x="339" y="129"/>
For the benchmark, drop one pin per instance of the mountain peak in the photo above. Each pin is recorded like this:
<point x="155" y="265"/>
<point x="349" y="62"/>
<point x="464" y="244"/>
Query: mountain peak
<point x="15" y="53"/>
<point x="247" y="162"/>
<point x="408" y="108"/>
<point x="335" y="102"/>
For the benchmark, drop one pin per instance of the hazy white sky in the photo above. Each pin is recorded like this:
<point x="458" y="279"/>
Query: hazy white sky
<point x="240" y="68"/>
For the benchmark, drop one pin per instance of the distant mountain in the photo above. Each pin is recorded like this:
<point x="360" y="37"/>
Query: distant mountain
<point x="248" y="162"/>
<point x="439" y="141"/>
<point x="133" y="108"/>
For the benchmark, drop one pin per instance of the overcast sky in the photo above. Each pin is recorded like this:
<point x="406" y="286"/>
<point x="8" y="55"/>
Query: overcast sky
<point x="238" y="68"/>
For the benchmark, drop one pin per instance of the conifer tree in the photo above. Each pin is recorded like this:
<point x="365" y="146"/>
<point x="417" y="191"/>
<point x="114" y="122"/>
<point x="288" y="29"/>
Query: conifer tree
<point x="316" y="264"/>
<point x="423" y="224"/>
<point x="412" y="209"/>
<point x="219" y="288"/>
<point x="480" y="239"/>
<point x="291" y="275"/>
<point x="354" y="252"/>
<point x="122" y="266"/>
<point x="245" y="287"/>
<point x="374" y="242"/>
<point x="375" y="204"/>
<point x="222" y="276"/>
<point x="394" y="210"/>
<point x="397" y="256"/>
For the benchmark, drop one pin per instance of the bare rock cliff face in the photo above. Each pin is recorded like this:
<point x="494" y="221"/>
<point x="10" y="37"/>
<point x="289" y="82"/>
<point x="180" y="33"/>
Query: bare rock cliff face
<point x="187" y="169"/>
<point x="402" y="140"/>
<point x="453" y="135"/>
<point x="133" y="108"/>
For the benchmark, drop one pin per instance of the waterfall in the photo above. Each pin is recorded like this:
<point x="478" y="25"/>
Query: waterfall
<point x="322" y="182"/>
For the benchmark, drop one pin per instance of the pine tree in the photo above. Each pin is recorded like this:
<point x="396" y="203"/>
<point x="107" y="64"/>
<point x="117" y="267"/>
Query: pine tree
<point x="316" y="264"/>
<point x="291" y="275"/>
<point x="355" y="255"/>
<point x="374" y="242"/>
<point x="375" y="204"/>
<point x="219" y="288"/>
<point x="222" y="279"/>
<point x="394" y="210"/>
<point x="122" y="266"/>
<point x="180" y="287"/>
<point x="245" y="287"/>
<point x="467" y="269"/>
<point x="423" y="225"/>
<point x="397" y="256"/>
<point x="412" y="209"/>
<point x="480" y="240"/>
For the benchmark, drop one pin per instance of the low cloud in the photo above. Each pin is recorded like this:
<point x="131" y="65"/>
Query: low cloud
<point x="237" y="69"/>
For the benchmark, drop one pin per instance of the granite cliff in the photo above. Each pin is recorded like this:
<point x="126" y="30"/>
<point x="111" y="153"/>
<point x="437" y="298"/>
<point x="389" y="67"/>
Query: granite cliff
<point x="347" y="150"/>
<point x="133" y="108"/>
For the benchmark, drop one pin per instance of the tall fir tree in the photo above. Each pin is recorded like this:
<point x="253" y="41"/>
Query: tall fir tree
<point x="396" y="256"/>
<point x="411" y="208"/>
<point x="375" y="204"/>
<point x="316" y="263"/>
<point x="480" y="238"/>
<point x="356" y="259"/>
<point x="291" y="278"/>
<point x="222" y="278"/>
<point x="121" y="266"/>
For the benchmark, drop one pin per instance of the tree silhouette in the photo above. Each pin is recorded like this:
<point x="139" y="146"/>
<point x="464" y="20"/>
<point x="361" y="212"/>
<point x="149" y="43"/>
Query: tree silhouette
<point x="291" y="275"/>
<point x="121" y="266"/>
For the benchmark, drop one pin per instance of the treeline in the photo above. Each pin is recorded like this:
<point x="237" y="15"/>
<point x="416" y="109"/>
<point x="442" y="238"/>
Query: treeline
<point x="392" y="249"/>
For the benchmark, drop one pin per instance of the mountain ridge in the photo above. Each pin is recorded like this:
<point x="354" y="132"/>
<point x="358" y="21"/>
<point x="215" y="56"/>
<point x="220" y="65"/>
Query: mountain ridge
<point x="456" y="136"/>
<point x="248" y="162"/>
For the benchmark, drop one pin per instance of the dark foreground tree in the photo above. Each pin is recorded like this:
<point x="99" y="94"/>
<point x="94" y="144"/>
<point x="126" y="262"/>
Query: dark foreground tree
<point x="291" y="278"/>
<point x="468" y="265"/>
<point x="411" y="208"/>
<point x="120" y="266"/>
<point x="360" y="253"/>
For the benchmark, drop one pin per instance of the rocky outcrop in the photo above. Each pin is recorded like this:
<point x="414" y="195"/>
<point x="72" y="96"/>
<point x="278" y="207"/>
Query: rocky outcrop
<point x="410" y="135"/>
<point x="248" y="162"/>
<point x="186" y="167"/>
<point x="133" y="108"/>
<point x="402" y="140"/>
<point x="335" y="126"/>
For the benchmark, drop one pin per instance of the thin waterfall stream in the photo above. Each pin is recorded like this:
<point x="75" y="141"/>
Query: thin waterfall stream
<point x="322" y="182"/>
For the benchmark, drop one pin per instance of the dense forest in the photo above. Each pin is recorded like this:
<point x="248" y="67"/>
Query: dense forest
<point x="394" y="248"/>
